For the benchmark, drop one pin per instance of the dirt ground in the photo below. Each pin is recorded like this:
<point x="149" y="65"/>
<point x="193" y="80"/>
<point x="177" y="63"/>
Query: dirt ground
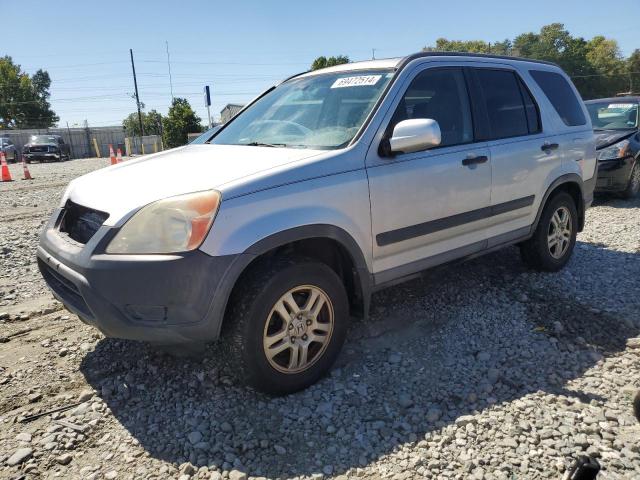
<point x="480" y="370"/>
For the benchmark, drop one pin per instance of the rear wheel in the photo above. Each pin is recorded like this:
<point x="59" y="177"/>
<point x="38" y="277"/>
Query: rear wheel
<point x="633" y="187"/>
<point x="552" y="243"/>
<point x="288" y="322"/>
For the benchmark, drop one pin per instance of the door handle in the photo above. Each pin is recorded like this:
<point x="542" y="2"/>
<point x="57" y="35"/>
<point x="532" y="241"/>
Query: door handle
<point x="474" y="160"/>
<point x="547" y="147"/>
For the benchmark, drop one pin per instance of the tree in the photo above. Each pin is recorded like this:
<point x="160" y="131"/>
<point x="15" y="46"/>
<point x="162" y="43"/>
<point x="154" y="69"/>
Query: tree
<point x="180" y="121"/>
<point x="470" y="46"/>
<point x="596" y="66"/>
<point x="633" y="71"/>
<point x="323" y="62"/>
<point x="23" y="99"/>
<point x="152" y="123"/>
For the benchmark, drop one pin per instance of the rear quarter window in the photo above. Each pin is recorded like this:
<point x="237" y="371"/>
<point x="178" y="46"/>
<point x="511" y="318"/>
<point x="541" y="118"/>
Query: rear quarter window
<point x="561" y="96"/>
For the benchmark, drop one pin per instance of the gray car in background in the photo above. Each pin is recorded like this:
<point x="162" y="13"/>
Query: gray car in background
<point x="328" y="187"/>
<point x="9" y="149"/>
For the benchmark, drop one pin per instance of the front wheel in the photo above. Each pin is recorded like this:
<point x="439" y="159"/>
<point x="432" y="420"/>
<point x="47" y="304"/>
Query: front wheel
<point x="633" y="187"/>
<point x="552" y="243"/>
<point x="288" y="322"/>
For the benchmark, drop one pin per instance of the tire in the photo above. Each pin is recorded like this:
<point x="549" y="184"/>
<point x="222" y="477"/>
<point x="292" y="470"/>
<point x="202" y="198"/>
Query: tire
<point x="538" y="252"/>
<point x="633" y="187"/>
<point x="253" y="322"/>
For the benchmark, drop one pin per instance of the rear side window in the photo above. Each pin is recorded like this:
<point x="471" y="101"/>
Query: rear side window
<point x="561" y="96"/>
<point x="531" y="109"/>
<point x="504" y="102"/>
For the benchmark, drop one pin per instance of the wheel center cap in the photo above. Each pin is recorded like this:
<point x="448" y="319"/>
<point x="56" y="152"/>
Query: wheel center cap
<point x="299" y="327"/>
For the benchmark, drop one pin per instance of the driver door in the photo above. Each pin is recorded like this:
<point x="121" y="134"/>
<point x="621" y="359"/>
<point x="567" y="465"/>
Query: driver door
<point x="429" y="207"/>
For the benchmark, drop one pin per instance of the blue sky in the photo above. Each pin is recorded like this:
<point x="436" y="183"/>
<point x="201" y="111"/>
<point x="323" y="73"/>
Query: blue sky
<point x="239" y="48"/>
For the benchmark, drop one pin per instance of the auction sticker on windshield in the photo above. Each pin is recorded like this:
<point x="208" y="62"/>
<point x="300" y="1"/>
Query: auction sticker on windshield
<point x="360" y="81"/>
<point x="622" y="106"/>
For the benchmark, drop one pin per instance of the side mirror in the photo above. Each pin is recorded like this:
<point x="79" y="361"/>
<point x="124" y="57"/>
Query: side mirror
<point x="415" y="135"/>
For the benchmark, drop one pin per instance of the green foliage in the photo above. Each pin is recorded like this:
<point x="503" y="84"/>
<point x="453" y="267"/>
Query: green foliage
<point x="633" y="69"/>
<point x="471" y="46"/>
<point x="323" y="62"/>
<point x="180" y="121"/>
<point x="23" y="99"/>
<point x="596" y="66"/>
<point x="152" y="123"/>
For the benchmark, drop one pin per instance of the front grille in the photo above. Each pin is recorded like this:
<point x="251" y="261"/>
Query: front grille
<point x="64" y="289"/>
<point x="81" y="223"/>
<point x="38" y="149"/>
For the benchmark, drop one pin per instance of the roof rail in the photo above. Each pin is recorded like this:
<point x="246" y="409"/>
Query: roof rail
<point x="414" y="56"/>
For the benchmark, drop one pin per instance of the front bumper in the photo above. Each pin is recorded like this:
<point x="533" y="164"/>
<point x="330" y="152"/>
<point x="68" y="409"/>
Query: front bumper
<point x="613" y="175"/>
<point x="42" y="156"/>
<point x="166" y="299"/>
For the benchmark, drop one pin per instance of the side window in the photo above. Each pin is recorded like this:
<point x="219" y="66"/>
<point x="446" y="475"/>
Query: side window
<point x="504" y="102"/>
<point x="561" y="96"/>
<point x="531" y="109"/>
<point x="439" y="94"/>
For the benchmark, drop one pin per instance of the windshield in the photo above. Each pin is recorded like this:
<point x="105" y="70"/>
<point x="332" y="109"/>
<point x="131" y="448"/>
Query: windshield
<point x="42" y="139"/>
<point x="613" y="115"/>
<point x="321" y="111"/>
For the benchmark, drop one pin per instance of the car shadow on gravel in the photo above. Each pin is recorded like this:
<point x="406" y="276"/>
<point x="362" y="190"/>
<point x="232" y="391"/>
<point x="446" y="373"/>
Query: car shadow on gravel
<point x="457" y="342"/>
<point x="615" y="201"/>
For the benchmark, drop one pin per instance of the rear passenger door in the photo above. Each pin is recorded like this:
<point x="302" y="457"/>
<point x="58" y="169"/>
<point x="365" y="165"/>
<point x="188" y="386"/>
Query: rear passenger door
<point x="524" y="150"/>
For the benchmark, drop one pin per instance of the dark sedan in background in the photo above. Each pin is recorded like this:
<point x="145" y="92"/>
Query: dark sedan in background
<point x="615" y="124"/>
<point x="46" y="148"/>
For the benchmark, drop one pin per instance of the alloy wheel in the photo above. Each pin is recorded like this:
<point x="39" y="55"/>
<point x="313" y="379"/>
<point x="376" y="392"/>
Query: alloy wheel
<point x="559" y="234"/>
<point x="298" y="329"/>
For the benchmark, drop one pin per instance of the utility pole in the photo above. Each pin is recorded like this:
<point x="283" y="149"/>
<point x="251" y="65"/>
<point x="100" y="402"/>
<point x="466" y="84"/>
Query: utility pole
<point x="373" y="54"/>
<point x="169" y="64"/>
<point x="71" y="152"/>
<point x="207" y="102"/>
<point x="135" y="84"/>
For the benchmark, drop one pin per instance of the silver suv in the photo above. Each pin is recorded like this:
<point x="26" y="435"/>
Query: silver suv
<point x="327" y="187"/>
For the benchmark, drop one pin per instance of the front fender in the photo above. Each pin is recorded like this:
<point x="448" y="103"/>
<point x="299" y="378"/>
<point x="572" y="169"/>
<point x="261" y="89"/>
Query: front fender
<point x="341" y="201"/>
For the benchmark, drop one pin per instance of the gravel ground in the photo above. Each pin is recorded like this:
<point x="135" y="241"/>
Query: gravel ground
<point x="479" y="370"/>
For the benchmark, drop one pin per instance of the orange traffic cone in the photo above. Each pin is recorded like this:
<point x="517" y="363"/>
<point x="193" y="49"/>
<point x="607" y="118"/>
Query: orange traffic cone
<point x="25" y="170"/>
<point x="6" y="174"/>
<point x="119" y="157"/>
<point x="112" y="155"/>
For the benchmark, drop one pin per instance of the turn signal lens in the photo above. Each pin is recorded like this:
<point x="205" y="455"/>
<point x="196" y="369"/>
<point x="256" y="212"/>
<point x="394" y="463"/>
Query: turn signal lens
<point x="172" y="225"/>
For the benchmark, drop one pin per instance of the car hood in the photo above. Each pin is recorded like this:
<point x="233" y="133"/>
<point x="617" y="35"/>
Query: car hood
<point x="606" y="138"/>
<point x="121" y="189"/>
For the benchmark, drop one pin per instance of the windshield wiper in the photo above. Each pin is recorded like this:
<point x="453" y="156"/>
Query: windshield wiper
<point x="262" y="144"/>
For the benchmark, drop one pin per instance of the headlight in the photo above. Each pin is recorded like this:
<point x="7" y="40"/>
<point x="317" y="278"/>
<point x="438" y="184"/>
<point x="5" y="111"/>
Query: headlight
<point x="172" y="225"/>
<point x="617" y="150"/>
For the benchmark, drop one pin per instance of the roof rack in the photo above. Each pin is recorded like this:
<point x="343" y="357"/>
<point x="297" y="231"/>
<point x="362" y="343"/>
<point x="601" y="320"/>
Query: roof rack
<point x="414" y="56"/>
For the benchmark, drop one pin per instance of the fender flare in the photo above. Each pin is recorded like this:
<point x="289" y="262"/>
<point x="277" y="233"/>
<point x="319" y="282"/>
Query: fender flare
<point x="563" y="180"/>
<point x="305" y="232"/>
<point x="285" y="237"/>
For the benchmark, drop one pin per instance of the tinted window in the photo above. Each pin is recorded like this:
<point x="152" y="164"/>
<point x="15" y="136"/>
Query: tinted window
<point x="505" y="107"/>
<point x="561" y="96"/>
<point x="439" y="94"/>
<point x="531" y="109"/>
